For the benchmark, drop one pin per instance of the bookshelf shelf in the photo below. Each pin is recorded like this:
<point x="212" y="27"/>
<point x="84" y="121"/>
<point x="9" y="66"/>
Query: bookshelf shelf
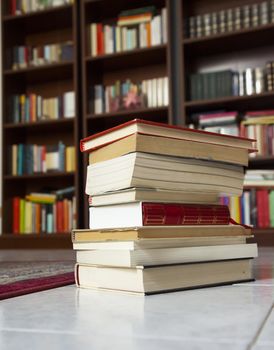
<point x="246" y="102"/>
<point x="234" y="40"/>
<point x="43" y="124"/>
<point x="132" y="58"/>
<point x="36" y="241"/>
<point x="38" y="176"/>
<point x="134" y="113"/>
<point x="46" y="11"/>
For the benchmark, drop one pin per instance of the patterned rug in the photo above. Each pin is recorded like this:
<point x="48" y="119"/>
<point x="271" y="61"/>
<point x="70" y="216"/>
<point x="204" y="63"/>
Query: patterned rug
<point x="19" y="278"/>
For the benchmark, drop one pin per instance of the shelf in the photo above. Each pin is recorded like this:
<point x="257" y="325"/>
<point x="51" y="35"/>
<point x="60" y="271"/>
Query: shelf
<point x="248" y="102"/>
<point x="59" y="70"/>
<point x="130" y="58"/>
<point x="38" y="21"/>
<point x="230" y="41"/>
<point x="38" y="176"/>
<point x="263" y="236"/>
<point x="36" y="241"/>
<point x="42" y="124"/>
<point x="134" y="112"/>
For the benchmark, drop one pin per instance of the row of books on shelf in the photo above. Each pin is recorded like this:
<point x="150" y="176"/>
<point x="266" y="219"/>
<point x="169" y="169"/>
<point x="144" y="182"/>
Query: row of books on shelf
<point x="166" y="223"/>
<point x="231" y="19"/>
<point x="19" y="7"/>
<point x="137" y="28"/>
<point x="28" y="56"/>
<point x="28" y="108"/>
<point x="257" y="125"/>
<point x="255" y="207"/>
<point x="31" y="158"/>
<point x="126" y="95"/>
<point x="228" y="82"/>
<point x="43" y="213"/>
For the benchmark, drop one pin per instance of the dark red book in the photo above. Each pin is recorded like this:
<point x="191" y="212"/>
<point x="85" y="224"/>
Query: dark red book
<point x="100" y="39"/>
<point x="260" y="207"/>
<point x="265" y="197"/>
<point x="157" y="214"/>
<point x="16" y="215"/>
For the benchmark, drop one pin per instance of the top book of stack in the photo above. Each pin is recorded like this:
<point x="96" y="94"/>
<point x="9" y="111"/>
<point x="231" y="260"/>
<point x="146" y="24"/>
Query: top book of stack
<point x="145" y="136"/>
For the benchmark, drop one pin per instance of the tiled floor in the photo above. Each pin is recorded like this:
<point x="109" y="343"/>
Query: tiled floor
<point x="232" y="317"/>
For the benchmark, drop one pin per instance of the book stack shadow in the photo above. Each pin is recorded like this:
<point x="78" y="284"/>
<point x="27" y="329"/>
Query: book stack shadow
<point x="155" y="222"/>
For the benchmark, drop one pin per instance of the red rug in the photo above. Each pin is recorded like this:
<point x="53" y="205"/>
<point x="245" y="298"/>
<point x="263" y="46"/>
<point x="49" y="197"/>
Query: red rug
<point x="23" y="278"/>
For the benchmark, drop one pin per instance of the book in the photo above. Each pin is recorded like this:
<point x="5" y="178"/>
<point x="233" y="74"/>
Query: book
<point x="160" y="243"/>
<point x="164" y="172"/>
<point x="165" y="256"/>
<point x="171" y="147"/>
<point x="152" y="195"/>
<point x="157" y="214"/>
<point x="156" y="279"/>
<point x="148" y="232"/>
<point x="159" y="129"/>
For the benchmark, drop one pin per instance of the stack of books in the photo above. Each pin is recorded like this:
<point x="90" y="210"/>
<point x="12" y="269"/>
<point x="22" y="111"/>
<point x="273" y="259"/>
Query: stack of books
<point x="155" y="224"/>
<point x="20" y="7"/>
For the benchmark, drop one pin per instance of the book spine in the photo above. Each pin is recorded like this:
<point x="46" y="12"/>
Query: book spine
<point x="176" y="214"/>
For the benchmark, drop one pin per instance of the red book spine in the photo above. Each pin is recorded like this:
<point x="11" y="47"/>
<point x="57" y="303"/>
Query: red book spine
<point x="16" y="215"/>
<point x="182" y="214"/>
<point x="13" y="7"/>
<point x="100" y="38"/>
<point x="59" y="217"/>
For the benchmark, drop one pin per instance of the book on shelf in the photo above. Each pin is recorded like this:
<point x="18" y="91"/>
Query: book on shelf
<point x="25" y="56"/>
<point x="140" y="28"/>
<point x="93" y="142"/>
<point x="156" y="279"/>
<point x="40" y="213"/>
<point x="31" y="159"/>
<point x="157" y="214"/>
<point x="164" y="256"/>
<point x="148" y="194"/>
<point x="126" y="95"/>
<point x="28" y="108"/>
<point x="20" y="7"/>
<point x="164" y="172"/>
<point x="230" y="19"/>
<point x="225" y="83"/>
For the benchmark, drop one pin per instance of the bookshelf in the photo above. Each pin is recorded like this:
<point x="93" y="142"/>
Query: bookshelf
<point x="234" y="49"/>
<point x="175" y="58"/>
<point x="48" y="79"/>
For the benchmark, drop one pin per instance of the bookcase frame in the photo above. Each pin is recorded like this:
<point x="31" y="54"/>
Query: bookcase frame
<point x="55" y="21"/>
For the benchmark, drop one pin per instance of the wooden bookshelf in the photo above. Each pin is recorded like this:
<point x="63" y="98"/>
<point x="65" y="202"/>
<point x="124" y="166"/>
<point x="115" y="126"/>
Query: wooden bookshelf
<point x="236" y="50"/>
<point x="48" y="26"/>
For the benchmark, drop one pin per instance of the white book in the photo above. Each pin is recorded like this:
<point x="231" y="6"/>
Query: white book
<point x="118" y="39"/>
<point x="157" y="243"/>
<point x="165" y="91"/>
<point x="124" y="38"/>
<point x="149" y="93"/>
<point x="154" y="92"/>
<point x="98" y="99"/>
<point x="166" y="278"/>
<point x="93" y="38"/>
<point x="140" y="169"/>
<point x="164" y="25"/>
<point x="249" y="81"/>
<point x="156" y="30"/>
<point x="247" y="207"/>
<point x="69" y="104"/>
<point x="153" y="195"/>
<point x="166" y="256"/>
<point x="160" y="92"/>
<point x="144" y="91"/>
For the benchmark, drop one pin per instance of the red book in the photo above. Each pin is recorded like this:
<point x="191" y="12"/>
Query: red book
<point x="157" y="214"/>
<point x="263" y="113"/>
<point x="266" y="221"/>
<point x="260" y="208"/>
<point x="59" y="217"/>
<point x="100" y="39"/>
<point x="146" y="127"/>
<point x="13" y="7"/>
<point x="16" y="215"/>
